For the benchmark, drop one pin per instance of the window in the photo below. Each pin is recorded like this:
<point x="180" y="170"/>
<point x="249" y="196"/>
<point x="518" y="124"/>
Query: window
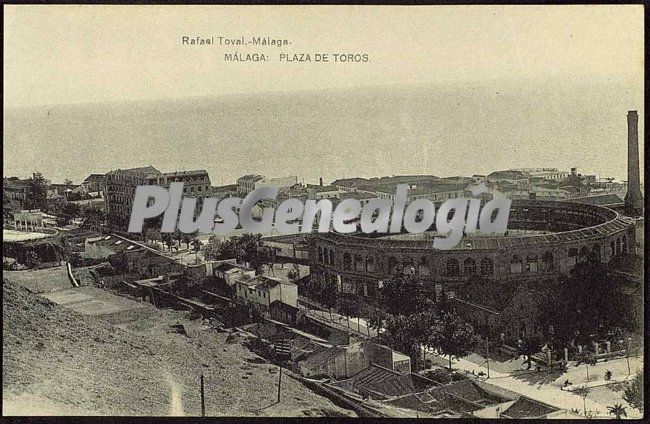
<point x="583" y="254"/>
<point x="392" y="264"/>
<point x="487" y="266"/>
<point x="515" y="265"/>
<point x="423" y="267"/>
<point x="595" y="252"/>
<point x="347" y="261"/>
<point x="531" y="263"/>
<point x="547" y="261"/>
<point x="370" y="264"/>
<point x="358" y="262"/>
<point x="469" y="267"/>
<point x="452" y="268"/>
<point x="408" y="267"/>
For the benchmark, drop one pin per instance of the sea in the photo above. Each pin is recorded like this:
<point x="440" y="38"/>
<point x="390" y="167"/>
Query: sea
<point x="449" y="129"/>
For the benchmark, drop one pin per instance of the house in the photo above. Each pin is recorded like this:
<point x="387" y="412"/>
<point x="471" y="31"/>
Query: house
<point x="381" y="383"/>
<point x="460" y="398"/>
<point x="248" y="183"/>
<point x="261" y="291"/>
<point x="344" y="361"/>
<point x="526" y="408"/>
<point x="94" y="183"/>
<point x="229" y="272"/>
<point x="286" y="313"/>
<point x="318" y="192"/>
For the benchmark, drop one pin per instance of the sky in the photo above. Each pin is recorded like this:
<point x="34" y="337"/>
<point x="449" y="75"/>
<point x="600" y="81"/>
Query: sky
<point x="80" y="53"/>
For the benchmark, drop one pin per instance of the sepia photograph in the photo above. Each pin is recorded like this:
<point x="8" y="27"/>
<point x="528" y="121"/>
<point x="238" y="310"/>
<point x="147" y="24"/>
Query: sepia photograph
<point x="323" y="211"/>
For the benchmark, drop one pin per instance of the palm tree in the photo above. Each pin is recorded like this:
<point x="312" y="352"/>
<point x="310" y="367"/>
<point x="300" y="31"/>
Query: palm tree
<point x="617" y="410"/>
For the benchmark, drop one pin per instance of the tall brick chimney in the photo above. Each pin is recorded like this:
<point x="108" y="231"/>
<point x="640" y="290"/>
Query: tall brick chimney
<point x="633" y="198"/>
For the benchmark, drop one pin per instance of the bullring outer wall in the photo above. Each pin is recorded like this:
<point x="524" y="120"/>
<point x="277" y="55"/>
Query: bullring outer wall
<point x="357" y="262"/>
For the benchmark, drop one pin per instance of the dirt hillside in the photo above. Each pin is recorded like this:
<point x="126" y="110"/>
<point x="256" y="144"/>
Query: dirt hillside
<point x="56" y="361"/>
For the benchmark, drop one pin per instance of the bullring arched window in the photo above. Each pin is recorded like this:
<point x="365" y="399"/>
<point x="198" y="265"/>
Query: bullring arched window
<point x="595" y="252"/>
<point x="320" y="254"/>
<point x="618" y="246"/>
<point x="408" y="267"/>
<point x="487" y="266"/>
<point x="331" y="257"/>
<point x="347" y="261"/>
<point x="370" y="264"/>
<point x="515" y="265"/>
<point x="531" y="263"/>
<point x="547" y="261"/>
<point x="613" y="246"/>
<point x="469" y="267"/>
<point x="624" y="245"/>
<point x="326" y="256"/>
<point x="583" y="254"/>
<point x="358" y="262"/>
<point x="452" y="268"/>
<point x="423" y="267"/>
<point x="392" y="264"/>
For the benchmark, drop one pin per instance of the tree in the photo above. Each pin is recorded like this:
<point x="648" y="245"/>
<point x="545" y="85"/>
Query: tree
<point x="168" y="239"/>
<point x="587" y="358"/>
<point x="374" y="317"/>
<point x="399" y="336"/>
<point x="350" y="306"/>
<point x="529" y="346"/>
<point x="617" y="410"/>
<point x="152" y="234"/>
<point x="188" y="238"/>
<point x="633" y="393"/>
<point x="453" y="336"/>
<point x="294" y="273"/>
<point x="93" y="218"/>
<point x="403" y="295"/>
<point x="583" y="392"/>
<point x="425" y="327"/>
<point x="196" y="244"/>
<point x="37" y="193"/>
<point x="31" y="259"/>
<point x="7" y="208"/>
<point x="587" y="302"/>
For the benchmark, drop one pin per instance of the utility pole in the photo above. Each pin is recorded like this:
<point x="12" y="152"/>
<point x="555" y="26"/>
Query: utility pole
<point x="202" y="398"/>
<point x="279" y="381"/>
<point x="627" y="355"/>
<point x="282" y="351"/>
<point x="487" y="348"/>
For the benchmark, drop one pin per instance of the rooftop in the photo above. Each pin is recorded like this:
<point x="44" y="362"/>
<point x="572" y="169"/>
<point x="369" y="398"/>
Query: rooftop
<point x="93" y="178"/>
<point x="525" y="407"/>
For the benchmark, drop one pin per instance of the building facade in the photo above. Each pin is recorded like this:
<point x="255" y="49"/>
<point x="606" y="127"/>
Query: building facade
<point x="120" y="190"/>
<point x="544" y="239"/>
<point x="248" y="183"/>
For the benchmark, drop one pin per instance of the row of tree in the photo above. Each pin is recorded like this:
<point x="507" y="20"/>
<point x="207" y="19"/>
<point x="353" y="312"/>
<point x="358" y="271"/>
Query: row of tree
<point x="405" y="316"/>
<point x="246" y="249"/>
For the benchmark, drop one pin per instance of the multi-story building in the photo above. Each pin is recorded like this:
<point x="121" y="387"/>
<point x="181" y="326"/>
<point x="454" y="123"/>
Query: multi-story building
<point x="248" y="183"/>
<point x="261" y="291"/>
<point x="121" y="184"/>
<point x="94" y="183"/>
<point x="120" y="190"/>
<point x="17" y="190"/>
<point x="322" y="192"/>
<point x="195" y="183"/>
